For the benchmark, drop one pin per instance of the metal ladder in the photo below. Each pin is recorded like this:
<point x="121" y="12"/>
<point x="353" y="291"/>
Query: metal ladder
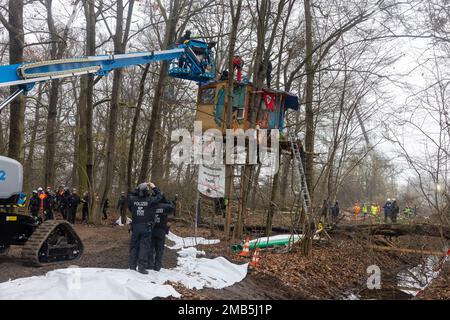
<point x="298" y="165"/>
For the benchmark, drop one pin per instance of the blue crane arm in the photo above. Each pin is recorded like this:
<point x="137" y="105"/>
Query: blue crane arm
<point x="192" y="61"/>
<point x="28" y="74"/>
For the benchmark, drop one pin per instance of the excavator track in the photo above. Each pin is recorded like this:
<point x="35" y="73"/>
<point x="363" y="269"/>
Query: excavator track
<point x="52" y="242"/>
<point x="4" y="249"/>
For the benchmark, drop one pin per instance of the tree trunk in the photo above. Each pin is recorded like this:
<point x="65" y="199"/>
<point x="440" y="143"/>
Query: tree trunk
<point x="273" y="200"/>
<point x="134" y="128"/>
<point x="74" y="175"/>
<point x="28" y="167"/>
<point x="169" y="37"/>
<point x="120" y="41"/>
<point x="108" y="171"/>
<point x="82" y="145"/>
<point x="255" y="189"/>
<point x="284" y="180"/>
<point x="158" y="151"/>
<point x="58" y="47"/>
<point x="17" y="107"/>
<point x="229" y="169"/>
<point x="309" y="117"/>
<point x="89" y="11"/>
<point x="153" y="125"/>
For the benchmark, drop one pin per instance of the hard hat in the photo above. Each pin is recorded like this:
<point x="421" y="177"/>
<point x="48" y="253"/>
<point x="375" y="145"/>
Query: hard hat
<point x="393" y="199"/>
<point x="143" y="189"/>
<point x="388" y="199"/>
<point x="35" y="191"/>
<point x="40" y="189"/>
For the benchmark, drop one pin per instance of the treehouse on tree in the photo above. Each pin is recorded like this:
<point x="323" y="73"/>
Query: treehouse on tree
<point x="212" y="106"/>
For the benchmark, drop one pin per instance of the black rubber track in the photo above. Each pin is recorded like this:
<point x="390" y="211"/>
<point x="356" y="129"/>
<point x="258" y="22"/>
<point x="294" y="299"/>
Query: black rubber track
<point x="31" y="248"/>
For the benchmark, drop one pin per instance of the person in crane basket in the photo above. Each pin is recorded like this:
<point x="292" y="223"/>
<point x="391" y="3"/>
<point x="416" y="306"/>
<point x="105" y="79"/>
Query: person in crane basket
<point x="185" y="38"/>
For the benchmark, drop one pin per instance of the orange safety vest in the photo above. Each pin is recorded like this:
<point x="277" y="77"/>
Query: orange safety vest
<point x="42" y="196"/>
<point x="357" y="209"/>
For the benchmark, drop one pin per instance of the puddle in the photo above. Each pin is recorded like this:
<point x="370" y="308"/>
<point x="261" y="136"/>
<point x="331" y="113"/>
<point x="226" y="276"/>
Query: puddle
<point x="404" y="285"/>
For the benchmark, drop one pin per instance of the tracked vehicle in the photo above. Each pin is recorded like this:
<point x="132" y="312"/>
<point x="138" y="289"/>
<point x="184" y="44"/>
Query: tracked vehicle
<point x="56" y="241"/>
<point x="43" y="242"/>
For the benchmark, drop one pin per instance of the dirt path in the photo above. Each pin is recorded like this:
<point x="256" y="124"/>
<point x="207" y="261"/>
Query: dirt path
<point x="105" y="247"/>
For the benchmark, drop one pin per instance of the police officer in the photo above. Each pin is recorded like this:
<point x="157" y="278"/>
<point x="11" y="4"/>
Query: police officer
<point x="48" y="204"/>
<point x="121" y="204"/>
<point x="64" y="203"/>
<point x="140" y="205"/>
<point x="72" y="206"/>
<point x="160" y="229"/>
<point x="85" y="208"/>
<point x="33" y="205"/>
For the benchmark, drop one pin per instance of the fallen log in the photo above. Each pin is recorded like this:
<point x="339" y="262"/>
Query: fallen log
<point x="248" y="228"/>
<point x="397" y="229"/>
<point x="405" y="250"/>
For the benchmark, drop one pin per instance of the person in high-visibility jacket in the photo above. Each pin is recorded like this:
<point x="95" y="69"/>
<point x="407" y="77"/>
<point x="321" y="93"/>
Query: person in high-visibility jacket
<point x="374" y="209"/>
<point x="364" y="211"/>
<point x="357" y="210"/>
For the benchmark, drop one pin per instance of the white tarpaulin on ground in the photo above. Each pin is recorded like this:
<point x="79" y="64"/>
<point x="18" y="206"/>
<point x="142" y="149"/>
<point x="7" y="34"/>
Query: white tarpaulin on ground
<point x="118" y="284"/>
<point x="119" y="221"/>
<point x="188" y="242"/>
<point x="211" y="180"/>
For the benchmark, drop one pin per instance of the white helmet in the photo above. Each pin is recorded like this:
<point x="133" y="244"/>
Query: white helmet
<point x="389" y="200"/>
<point x="40" y="189"/>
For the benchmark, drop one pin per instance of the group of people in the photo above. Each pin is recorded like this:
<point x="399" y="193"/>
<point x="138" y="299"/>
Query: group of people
<point x="44" y="204"/>
<point x="330" y="212"/>
<point x="149" y="209"/>
<point x="391" y="210"/>
<point x="365" y="209"/>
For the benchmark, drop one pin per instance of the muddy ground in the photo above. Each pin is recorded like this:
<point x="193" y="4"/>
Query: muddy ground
<point x="104" y="247"/>
<point x="336" y="269"/>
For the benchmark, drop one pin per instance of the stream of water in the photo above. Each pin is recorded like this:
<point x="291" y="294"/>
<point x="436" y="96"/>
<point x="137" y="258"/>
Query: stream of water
<point x="404" y="285"/>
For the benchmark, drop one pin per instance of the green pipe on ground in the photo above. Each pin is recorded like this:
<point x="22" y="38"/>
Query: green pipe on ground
<point x="280" y="240"/>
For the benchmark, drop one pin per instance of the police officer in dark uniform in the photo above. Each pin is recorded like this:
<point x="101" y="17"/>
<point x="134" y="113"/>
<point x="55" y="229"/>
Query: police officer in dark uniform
<point x="49" y="203"/>
<point x="33" y="205"/>
<point x="160" y="229"/>
<point x="143" y="217"/>
<point x="72" y="206"/>
<point x="64" y="204"/>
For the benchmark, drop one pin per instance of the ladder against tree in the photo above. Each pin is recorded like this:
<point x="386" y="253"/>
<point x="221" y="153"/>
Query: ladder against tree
<point x="298" y="167"/>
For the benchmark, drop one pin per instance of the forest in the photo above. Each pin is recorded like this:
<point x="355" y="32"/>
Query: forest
<point x="372" y="117"/>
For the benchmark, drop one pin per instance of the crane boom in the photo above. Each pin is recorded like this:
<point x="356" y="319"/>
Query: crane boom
<point x="192" y="61"/>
